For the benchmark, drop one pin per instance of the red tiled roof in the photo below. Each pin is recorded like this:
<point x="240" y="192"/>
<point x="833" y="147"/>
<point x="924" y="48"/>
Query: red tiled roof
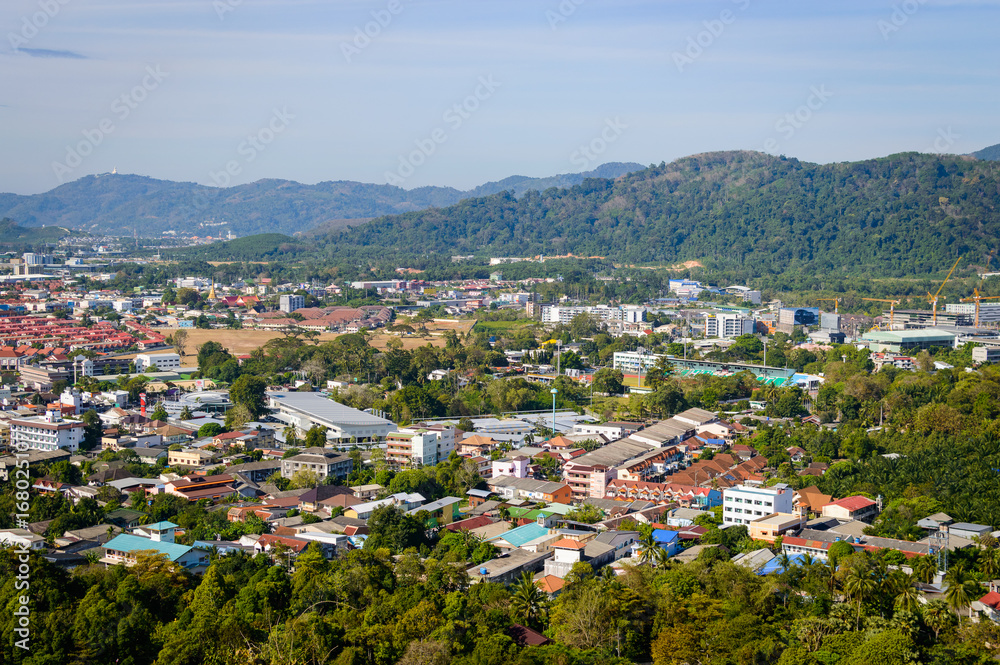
<point x="567" y="544"/>
<point x="992" y="599"/>
<point x="852" y="503"/>
<point x="470" y="524"/>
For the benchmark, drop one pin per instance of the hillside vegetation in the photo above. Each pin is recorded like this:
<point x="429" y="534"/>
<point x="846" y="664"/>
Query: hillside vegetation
<point x="123" y="204"/>
<point x="907" y="214"/>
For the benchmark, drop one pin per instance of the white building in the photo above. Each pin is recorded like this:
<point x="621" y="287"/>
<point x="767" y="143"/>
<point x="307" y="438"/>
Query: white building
<point x="515" y="467"/>
<point x="743" y="504"/>
<point x="566" y="313"/>
<point x="290" y="303"/>
<point x="629" y="362"/>
<point x="752" y="297"/>
<point x="165" y="362"/>
<point x="303" y="410"/>
<point x="48" y="432"/>
<point x="728" y="325"/>
<point x="420" y="446"/>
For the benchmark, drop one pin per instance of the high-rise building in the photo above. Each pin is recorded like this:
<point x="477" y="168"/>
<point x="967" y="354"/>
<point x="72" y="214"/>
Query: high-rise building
<point x="290" y="303"/>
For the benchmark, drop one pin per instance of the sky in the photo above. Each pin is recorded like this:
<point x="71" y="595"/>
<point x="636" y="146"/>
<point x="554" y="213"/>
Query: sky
<point x="449" y="93"/>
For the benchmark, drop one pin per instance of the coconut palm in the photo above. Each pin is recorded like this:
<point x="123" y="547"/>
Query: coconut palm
<point x="907" y="595"/>
<point x="924" y="568"/>
<point x="859" y="585"/>
<point x="961" y="590"/>
<point x="937" y="616"/>
<point x="527" y="601"/>
<point x="989" y="563"/>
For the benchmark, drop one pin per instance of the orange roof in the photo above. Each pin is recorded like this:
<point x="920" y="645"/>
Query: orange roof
<point x="550" y="583"/>
<point x="567" y="544"/>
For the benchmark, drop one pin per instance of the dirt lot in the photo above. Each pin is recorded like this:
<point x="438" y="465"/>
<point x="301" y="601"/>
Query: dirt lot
<point x="239" y="342"/>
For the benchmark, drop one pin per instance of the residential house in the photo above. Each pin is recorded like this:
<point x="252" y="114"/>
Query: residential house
<point x="770" y="527"/>
<point x="438" y="513"/>
<point x="527" y="488"/>
<point x="858" y="508"/>
<point x="321" y="461"/>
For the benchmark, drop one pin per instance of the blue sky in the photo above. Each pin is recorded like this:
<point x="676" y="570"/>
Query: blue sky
<point x="460" y="93"/>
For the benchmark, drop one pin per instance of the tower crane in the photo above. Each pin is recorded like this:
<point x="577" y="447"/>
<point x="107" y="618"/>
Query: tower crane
<point x="976" y="298"/>
<point x="892" y="307"/>
<point x="835" y="301"/>
<point x="933" y="299"/>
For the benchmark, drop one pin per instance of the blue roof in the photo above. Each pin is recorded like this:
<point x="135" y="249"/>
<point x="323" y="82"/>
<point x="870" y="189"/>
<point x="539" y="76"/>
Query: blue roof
<point x="524" y="534"/>
<point x="665" y="536"/>
<point x="159" y="526"/>
<point x="129" y="543"/>
<point x="774" y="565"/>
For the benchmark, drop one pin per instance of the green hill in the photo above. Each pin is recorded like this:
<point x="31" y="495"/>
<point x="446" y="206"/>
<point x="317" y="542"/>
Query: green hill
<point x="17" y="237"/>
<point x="907" y="214"/>
<point x="126" y="204"/>
<point x="991" y="153"/>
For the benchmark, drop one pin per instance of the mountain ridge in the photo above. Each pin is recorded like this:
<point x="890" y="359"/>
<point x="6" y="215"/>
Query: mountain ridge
<point x="127" y="204"/>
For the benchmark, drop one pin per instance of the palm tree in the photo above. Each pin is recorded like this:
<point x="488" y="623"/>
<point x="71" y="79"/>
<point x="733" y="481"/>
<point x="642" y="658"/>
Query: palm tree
<point x="859" y="585"/>
<point x="92" y="558"/>
<point x="989" y="563"/>
<point x="527" y="601"/>
<point x="907" y="595"/>
<point x="925" y="568"/>
<point x="960" y="590"/>
<point x="649" y="546"/>
<point x="937" y="616"/>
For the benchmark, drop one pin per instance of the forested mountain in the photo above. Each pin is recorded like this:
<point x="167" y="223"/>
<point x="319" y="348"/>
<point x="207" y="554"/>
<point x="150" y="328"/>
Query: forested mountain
<point x="906" y="214"/>
<point x="991" y="153"/>
<point x="17" y="237"/>
<point x="124" y="204"/>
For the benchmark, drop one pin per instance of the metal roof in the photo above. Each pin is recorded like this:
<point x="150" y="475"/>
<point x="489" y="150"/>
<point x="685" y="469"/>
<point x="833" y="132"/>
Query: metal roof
<point x="319" y="407"/>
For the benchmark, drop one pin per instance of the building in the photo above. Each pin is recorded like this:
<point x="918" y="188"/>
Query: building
<point x="986" y="354"/>
<point x="191" y="457"/>
<point x="321" y="461"/>
<point x="530" y="489"/>
<point x="48" y="432"/>
<point x="743" y="504"/>
<point x="728" y="325"/>
<point x="420" y="446"/>
<point x="772" y="526"/>
<point x="899" y="341"/>
<point x="152" y="539"/>
<point x="859" y="508"/>
<point x="304" y="410"/>
<point x="164" y="362"/>
<point x="290" y="303"/>
<point x="515" y="467"/>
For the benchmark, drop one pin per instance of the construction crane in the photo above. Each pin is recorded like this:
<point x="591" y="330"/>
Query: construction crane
<point x="892" y="307"/>
<point x="976" y="298"/>
<point x="933" y="299"/>
<point x="835" y="301"/>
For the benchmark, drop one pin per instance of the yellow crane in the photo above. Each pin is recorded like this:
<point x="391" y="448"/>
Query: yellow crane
<point x="835" y="301"/>
<point x="976" y="298"/>
<point x="892" y="307"/>
<point x="933" y="299"/>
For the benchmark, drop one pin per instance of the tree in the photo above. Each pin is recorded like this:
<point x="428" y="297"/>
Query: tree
<point x="186" y="413"/>
<point x="237" y="417"/>
<point x="248" y="391"/>
<point x="390" y="528"/>
<point x="92" y="430"/>
<point x="304" y="479"/>
<point x="610" y="381"/>
<point x="660" y="373"/>
<point x="209" y="430"/>
<point x="961" y="591"/>
<point x="316" y="437"/>
<point x="465" y="424"/>
<point x="180" y="342"/>
<point x="526" y="600"/>
<point x="159" y="413"/>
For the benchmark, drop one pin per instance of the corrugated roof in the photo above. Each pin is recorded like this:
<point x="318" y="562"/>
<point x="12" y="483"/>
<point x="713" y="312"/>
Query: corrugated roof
<point x="524" y="534"/>
<point x="130" y="543"/>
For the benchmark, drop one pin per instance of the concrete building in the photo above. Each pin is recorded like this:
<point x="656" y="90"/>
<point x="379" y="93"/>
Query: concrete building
<point x="303" y="410"/>
<point x="48" y="432"/>
<point x="858" y="508"/>
<point x="290" y="303"/>
<point x="420" y="446"/>
<point x="321" y="461"/>
<point x="898" y="341"/>
<point x="986" y="354"/>
<point x="728" y="325"/>
<point x="743" y="504"/>
<point x="165" y="362"/>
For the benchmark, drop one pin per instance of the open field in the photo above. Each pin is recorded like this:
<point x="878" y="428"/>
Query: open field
<point x="240" y="342"/>
<point x="495" y="327"/>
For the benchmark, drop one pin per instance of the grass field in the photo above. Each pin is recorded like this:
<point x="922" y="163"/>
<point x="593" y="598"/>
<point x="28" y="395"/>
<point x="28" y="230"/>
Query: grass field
<point x="495" y="327"/>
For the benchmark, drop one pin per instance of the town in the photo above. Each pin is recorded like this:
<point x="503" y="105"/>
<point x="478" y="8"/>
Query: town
<point x="520" y="440"/>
